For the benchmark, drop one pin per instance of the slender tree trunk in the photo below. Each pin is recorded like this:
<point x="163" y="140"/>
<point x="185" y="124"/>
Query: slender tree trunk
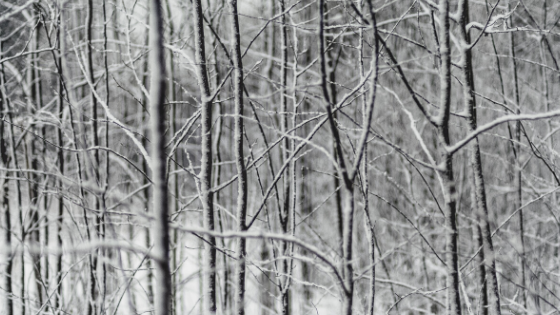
<point x="61" y="163"/>
<point x="450" y="194"/>
<point x="365" y="173"/>
<point x="175" y="251"/>
<point x="6" y="102"/>
<point x="206" y="163"/>
<point x="31" y="159"/>
<point x="5" y="189"/>
<point x="160" y="194"/>
<point x="488" y="257"/>
<point x="58" y="59"/>
<point x="43" y="266"/>
<point x="305" y="193"/>
<point x="285" y="213"/>
<point x="143" y="108"/>
<point x="105" y="186"/>
<point x="66" y="72"/>
<point x="237" y="80"/>
<point x="331" y="72"/>
<point x="16" y="174"/>
<point x="95" y="141"/>
<point x="45" y="274"/>
<point x="266" y="297"/>
<point x="225" y="296"/>
<point x="345" y="218"/>
<point x="348" y="175"/>
<point x="481" y="274"/>
<point x="517" y="153"/>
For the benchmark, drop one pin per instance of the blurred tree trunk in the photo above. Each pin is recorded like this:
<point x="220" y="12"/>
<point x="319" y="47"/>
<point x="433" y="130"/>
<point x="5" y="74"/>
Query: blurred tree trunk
<point x="162" y="292"/>
<point x="5" y="190"/>
<point x="31" y="159"/>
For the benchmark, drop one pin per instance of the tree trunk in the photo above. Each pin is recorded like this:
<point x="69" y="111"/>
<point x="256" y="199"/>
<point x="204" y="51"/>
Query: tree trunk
<point x="450" y="194"/>
<point x="487" y="255"/>
<point x="160" y="251"/>
<point x="285" y="214"/>
<point x="61" y="164"/>
<point x="517" y="153"/>
<point x="93" y="291"/>
<point x="5" y="197"/>
<point x="206" y="164"/>
<point x="237" y="80"/>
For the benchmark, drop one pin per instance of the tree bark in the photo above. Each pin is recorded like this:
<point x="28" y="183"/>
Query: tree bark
<point x="481" y="208"/>
<point x="5" y="197"/>
<point x="31" y="158"/>
<point x="517" y="155"/>
<point x="450" y="194"/>
<point x="61" y="164"/>
<point x="237" y="81"/>
<point x="162" y="290"/>
<point x="285" y="214"/>
<point x="206" y="195"/>
<point x="93" y="291"/>
<point x="365" y="174"/>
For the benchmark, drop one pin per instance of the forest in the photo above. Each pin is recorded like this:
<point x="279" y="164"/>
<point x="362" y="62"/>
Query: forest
<point x="232" y="157"/>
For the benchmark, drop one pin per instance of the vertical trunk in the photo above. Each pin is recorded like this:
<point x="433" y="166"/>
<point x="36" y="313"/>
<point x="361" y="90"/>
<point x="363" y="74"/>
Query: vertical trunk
<point x="65" y="72"/>
<point x="160" y="196"/>
<point x="16" y="174"/>
<point x="45" y="205"/>
<point x="371" y="241"/>
<point x="481" y="274"/>
<point x="43" y="266"/>
<point x="237" y="80"/>
<point x="487" y="255"/>
<point x="92" y="98"/>
<point x="10" y="118"/>
<point x="225" y="296"/>
<point x="206" y="164"/>
<point x="5" y="198"/>
<point x="285" y="214"/>
<point x="175" y="182"/>
<point x="305" y="193"/>
<point x="348" y="217"/>
<point x="105" y="185"/>
<point x="348" y="211"/>
<point x="331" y="72"/>
<point x="31" y="159"/>
<point x="60" y="108"/>
<point x="95" y="141"/>
<point x="365" y="174"/>
<point x="143" y="108"/>
<point x="517" y="153"/>
<point x="450" y="195"/>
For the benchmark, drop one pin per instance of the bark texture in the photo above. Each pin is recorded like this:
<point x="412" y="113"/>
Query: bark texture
<point x="237" y="81"/>
<point x="206" y="195"/>
<point x="162" y="290"/>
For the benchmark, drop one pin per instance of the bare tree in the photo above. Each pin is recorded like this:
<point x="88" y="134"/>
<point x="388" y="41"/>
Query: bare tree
<point x="364" y="156"/>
